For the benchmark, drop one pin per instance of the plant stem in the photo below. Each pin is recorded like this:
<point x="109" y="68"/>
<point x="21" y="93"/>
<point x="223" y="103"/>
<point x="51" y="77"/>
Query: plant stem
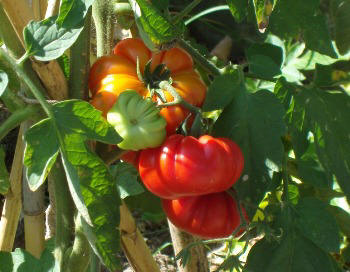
<point x="165" y="85"/>
<point x="80" y="63"/>
<point x="202" y="61"/>
<point x="285" y="178"/>
<point x="36" y="90"/>
<point x="179" y="17"/>
<point x="102" y="12"/>
<point x="64" y="211"/>
<point x="79" y="257"/>
<point x="17" y="118"/>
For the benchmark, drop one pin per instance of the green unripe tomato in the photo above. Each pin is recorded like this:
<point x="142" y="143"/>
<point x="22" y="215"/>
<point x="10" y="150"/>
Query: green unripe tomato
<point x="137" y="121"/>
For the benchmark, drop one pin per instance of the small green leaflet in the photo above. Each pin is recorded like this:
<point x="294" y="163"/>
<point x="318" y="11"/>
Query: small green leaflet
<point x="4" y="175"/>
<point x="238" y="9"/>
<point x="265" y="60"/>
<point x="327" y="113"/>
<point x="90" y="183"/>
<point x="294" y="253"/>
<point x="341" y="19"/>
<point x="127" y="179"/>
<point x="46" y="41"/>
<point x="255" y="123"/>
<point x="72" y="12"/>
<point x="4" y="80"/>
<point x="21" y="260"/>
<point x="222" y="90"/>
<point x="154" y="28"/>
<point x="290" y="18"/>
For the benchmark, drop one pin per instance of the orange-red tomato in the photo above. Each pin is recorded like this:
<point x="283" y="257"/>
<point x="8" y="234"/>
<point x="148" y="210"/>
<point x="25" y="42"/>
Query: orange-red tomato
<point x="208" y="216"/>
<point x="186" y="166"/>
<point x="117" y="73"/>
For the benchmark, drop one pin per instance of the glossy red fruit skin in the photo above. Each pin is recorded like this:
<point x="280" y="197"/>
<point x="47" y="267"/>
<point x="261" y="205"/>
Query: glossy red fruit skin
<point x="186" y="166"/>
<point x="207" y="216"/>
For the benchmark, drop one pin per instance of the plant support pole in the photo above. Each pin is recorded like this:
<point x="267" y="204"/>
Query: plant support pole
<point x="13" y="201"/>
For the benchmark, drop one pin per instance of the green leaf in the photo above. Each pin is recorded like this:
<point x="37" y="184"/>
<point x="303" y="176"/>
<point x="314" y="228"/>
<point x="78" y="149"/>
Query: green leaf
<point x="90" y="182"/>
<point x="72" y="12"/>
<point x="312" y="172"/>
<point x="145" y="202"/>
<point x="154" y="28"/>
<point x="294" y="253"/>
<point x="222" y="90"/>
<point x="4" y="175"/>
<point x="342" y="217"/>
<point x="327" y="113"/>
<point x="238" y="9"/>
<point x="291" y="18"/>
<point x="22" y="261"/>
<point x="255" y="123"/>
<point x="45" y="40"/>
<point x="332" y="75"/>
<point x="341" y="10"/>
<point x="127" y="180"/>
<point x="4" y="80"/>
<point x="39" y="155"/>
<point x="317" y="224"/>
<point x="265" y="60"/>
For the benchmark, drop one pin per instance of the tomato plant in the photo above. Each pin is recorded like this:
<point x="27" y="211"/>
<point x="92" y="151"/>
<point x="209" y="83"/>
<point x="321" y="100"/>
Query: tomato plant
<point x="267" y="81"/>
<point x="185" y="166"/>
<point x="195" y="214"/>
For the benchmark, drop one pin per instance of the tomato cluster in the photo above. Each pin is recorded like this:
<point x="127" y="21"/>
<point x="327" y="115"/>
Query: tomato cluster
<point x="190" y="175"/>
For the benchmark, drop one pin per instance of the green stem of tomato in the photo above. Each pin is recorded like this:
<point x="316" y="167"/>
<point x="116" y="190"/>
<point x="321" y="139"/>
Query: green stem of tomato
<point x="200" y="59"/>
<point x="165" y="85"/>
<point x="102" y="12"/>
<point x="80" y="63"/>
<point x="180" y="16"/>
<point x="36" y="89"/>
<point x="17" y="118"/>
<point x="285" y="178"/>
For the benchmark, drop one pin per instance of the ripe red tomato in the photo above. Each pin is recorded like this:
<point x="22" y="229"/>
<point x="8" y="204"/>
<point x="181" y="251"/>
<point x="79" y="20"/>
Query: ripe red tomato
<point x="208" y="216"/>
<point x="117" y="73"/>
<point x="186" y="166"/>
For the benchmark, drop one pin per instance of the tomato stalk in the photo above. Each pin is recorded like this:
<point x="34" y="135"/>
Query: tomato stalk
<point x="180" y="16"/>
<point x="165" y="85"/>
<point x="202" y="61"/>
<point x="17" y="118"/>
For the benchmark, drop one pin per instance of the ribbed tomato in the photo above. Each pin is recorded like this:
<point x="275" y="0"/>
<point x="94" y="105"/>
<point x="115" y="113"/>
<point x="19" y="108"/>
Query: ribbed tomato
<point x="208" y="216"/>
<point x="117" y="73"/>
<point x="186" y="166"/>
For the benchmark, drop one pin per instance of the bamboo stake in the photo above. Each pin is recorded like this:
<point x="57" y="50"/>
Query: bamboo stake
<point x="134" y="245"/>
<point x="33" y="205"/>
<point x="13" y="203"/>
<point x="20" y="13"/>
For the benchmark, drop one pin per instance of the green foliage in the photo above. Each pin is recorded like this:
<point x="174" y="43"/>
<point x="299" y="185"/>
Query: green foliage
<point x="265" y="60"/>
<point x="4" y="175"/>
<point x="291" y="18"/>
<point x="340" y="15"/>
<point x="21" y="261"/>
<point x="72" y="12"/>
<point x="127" y="180"/>
<point x="45" y="40"/>
<point x="91" y="185"/>
<point x="153" y="27"/>
<point x="255" y="122"/>
<point x="222" y="90"/>
<point x="3" y="82"/>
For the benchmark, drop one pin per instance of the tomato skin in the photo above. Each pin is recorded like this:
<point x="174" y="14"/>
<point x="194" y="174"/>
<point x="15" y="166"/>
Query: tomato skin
<point x="131" y="157"/>
<point x="208" y="216"/>
<point x="186" y="166"/>
<point x="107" y="65"/>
